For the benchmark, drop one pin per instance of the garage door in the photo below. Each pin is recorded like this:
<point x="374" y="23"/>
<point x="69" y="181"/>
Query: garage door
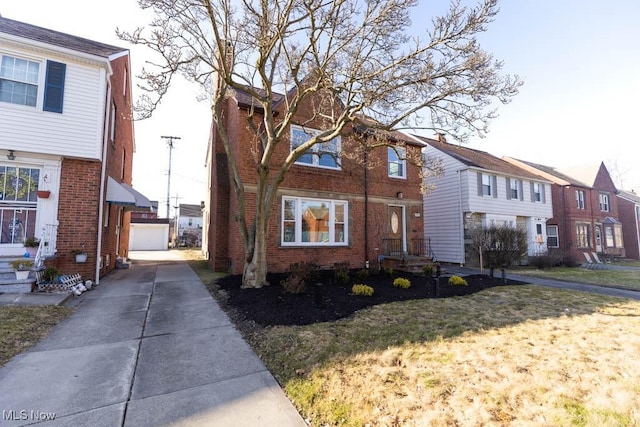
<point x="148" y="238"/>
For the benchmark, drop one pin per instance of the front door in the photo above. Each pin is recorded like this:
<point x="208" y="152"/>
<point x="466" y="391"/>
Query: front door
<point x="598" y="238"/>
<point x="395" y="231"/>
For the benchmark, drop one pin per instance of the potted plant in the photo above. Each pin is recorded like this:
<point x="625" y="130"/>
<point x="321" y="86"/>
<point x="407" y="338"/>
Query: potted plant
<point x="50" y="275"/>
<point x="44" y="194"/>
<point x="22" y="268"/>
<point x="31" y="245"/>
<point x="80" y="254"/>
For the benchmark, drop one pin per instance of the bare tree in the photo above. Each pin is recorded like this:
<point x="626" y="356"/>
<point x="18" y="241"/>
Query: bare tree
<point x="349" y="58"/>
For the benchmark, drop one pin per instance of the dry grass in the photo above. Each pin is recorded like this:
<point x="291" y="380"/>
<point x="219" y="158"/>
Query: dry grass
<point x="523" y="355"/>
<point x="22" y="327"/>
<point x="621" y="279"/>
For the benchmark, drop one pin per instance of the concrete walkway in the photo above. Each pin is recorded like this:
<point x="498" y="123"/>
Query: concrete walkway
<point x="148" y="347"/>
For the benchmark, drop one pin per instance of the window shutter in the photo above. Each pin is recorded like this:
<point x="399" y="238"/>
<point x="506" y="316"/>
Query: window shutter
<point x="479" y="184"/>
<point x="508" y="188"/>
<point x="542" y="191"/>
<point x="494" y="185"/>
<point x="532" y="186"/>
<point x="54" y="87"/>
<point x="521" y="190"/>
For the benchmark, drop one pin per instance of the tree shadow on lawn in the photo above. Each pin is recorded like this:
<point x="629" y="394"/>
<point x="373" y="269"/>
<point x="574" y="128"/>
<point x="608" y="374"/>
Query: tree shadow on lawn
<point x="324" y="300"/>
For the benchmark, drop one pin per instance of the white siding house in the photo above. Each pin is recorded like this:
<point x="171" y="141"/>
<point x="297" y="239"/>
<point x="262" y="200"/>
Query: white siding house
<point x="476" y="189"/>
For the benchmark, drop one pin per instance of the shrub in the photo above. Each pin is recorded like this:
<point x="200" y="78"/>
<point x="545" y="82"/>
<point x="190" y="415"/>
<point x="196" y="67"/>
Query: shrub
<point x="299" y="274"/>
<point x="362" y="274"/>
<point x="388" y="272"/>
<point x="428" y="270"/>
<point x="50" y="274"/>
<point x="362" y="290"/>
<point x="341" y="273"/>
<point x="457" y="281"/>
<point x="401" y="283"/>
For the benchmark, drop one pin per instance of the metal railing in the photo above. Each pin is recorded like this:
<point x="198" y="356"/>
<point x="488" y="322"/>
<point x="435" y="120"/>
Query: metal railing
<point x="48" y="244"/>
<point x="416" y="247"/>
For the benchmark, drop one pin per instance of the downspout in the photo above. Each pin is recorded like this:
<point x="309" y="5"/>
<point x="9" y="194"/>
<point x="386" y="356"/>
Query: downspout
<point x="366" y="209"/>
<point x="103" y="173"/>
<point x="464" y="261"/>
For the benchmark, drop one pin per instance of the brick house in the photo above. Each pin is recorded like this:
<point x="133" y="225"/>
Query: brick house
<point x="65" y="128"/>
<point x="585" y="212"/>
<point x="629" y="211"/>
<point x="330" y="207"/>
<point x="478" y="190"/>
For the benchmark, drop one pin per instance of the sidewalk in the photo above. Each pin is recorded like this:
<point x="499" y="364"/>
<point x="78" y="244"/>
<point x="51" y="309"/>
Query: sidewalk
<point x="148" y="347"/>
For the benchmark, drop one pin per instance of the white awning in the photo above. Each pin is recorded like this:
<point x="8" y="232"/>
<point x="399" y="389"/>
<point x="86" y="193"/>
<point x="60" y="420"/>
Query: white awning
<point x="123" y="194"/>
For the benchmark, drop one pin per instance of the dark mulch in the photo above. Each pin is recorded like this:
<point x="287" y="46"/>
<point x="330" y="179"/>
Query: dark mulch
<point x="325" y="301"/>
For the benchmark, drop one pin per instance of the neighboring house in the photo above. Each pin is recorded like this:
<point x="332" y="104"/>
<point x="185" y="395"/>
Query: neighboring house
<point x="65" y="128"/>
<point x="629" y="211"/>
<point x="585" y="211"/>
<point x="330" y="207"/>
<point x="148" y="232"/>
<point x="478" y="190"/>
<point x="189" y="225"/>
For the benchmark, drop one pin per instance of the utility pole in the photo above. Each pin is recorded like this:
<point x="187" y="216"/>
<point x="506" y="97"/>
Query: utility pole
<point x="170" y="140"/>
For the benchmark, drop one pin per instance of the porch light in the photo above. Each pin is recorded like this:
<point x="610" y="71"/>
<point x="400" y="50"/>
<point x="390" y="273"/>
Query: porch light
<point x="11" y="155"/>
<point x="399" y="195"/>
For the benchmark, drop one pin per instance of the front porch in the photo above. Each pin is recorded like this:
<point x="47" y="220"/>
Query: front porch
<point x="411" y="257"/>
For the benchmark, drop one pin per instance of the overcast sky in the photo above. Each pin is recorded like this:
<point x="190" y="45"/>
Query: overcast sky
<point x="579" y="59"/>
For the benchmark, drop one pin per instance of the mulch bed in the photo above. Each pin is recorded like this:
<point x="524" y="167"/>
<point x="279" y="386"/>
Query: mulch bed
<point x="325" y="301"/>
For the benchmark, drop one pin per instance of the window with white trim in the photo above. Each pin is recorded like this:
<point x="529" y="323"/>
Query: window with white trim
<point x="514" y="189"/>
<point x="580" y="199"/>
<point x="583" y="235"/>
<point x="605" y="205"/>
<point x="537" y="192"/>
<point x="19" y="81"/>
<point x="397" y="162"/>
<point x="487" y="185"/>
<point x="324" y="155"/>
<point x="314" y="222"/>
<point x="552" y="236"/>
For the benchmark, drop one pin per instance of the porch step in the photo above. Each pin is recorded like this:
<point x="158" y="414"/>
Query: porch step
<point x="8" y="281"/>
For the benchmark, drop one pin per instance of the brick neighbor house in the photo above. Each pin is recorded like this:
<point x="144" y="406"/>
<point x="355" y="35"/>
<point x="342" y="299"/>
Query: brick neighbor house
<point x="585" y="212"/>
<point x="629" y="209"/>
<point x="66" y="148"/>
<point x="330" y="207"/>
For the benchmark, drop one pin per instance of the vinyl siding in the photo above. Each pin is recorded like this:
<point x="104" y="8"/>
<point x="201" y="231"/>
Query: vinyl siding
<point x="76" y="132"/>
<point x="442" y="211"/>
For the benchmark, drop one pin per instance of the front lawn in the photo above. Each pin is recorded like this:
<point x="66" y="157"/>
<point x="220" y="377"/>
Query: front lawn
<point x="622" y="279"/>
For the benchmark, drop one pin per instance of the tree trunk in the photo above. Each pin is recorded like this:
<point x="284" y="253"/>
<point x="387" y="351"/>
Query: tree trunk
<point x="255" y="266"/>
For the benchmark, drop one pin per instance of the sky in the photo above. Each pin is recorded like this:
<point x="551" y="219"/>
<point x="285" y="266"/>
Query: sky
<point x="579" y="59"/>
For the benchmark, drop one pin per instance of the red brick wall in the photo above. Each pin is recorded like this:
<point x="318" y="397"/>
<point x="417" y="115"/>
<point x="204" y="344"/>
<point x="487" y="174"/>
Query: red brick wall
<point x="630" y="227"/>
<point x="306" y="181"/>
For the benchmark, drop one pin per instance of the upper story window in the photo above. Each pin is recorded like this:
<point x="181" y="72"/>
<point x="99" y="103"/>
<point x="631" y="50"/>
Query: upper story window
<point x="538" y="192"/>
<point x="397" y="162"/>
<point x="514" y="189"/>
<point x="487" y="185"/>
<point x="580" y="199"/>
<point x="112" y="122"/>
<point x="314" y="222"/>
<point x="325" y="155"/>
<point x="20" y="81"/>
<point x="604" y="203"/>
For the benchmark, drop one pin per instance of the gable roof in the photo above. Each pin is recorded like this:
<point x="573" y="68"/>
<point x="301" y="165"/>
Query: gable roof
<point x="479" y="159"/>
<point x="630" y="196"/>
<point x="548" y="172"/>
<point x="56" y="38"/>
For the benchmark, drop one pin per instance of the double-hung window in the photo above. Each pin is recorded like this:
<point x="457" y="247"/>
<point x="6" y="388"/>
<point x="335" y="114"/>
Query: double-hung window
<point x="314" y="222"/>
<point x="514" y="190"/>
<point x="19" y="81"/>
<point x="604" y="202"/>
<point x="397" y="162"/>
<point x="487" y="185"/>
<point x="538" y="192"/>
<point x="552" y="236"/>
<point x="580" y="199"/>
<point x="323" y="155"/>
<point x="583" y="235"/>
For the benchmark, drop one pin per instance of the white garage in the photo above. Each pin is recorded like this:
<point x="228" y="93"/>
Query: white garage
<point x="149" y="237"/>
